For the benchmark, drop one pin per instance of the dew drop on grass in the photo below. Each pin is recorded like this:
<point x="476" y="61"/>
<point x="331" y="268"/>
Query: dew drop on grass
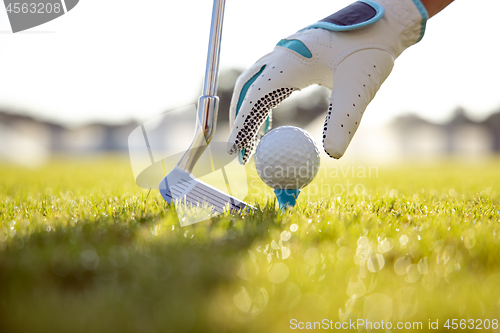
<point x="89" y="259"/>
<point x="375" y="263"/>
<point x="438" y="246"/>
<point x="278" y="273"/>
<point x="286" y="235"/>
<point x="412" y="273"/>
<point x="355" y="288"/>
<point x="252" y="302"/>
<point x="423" y="268"/>
<point x="285" y="253"/>
<point x="363" y="242"/>
<point x="311" y="257"/>
<point x="469" y="242"/>
<point x="294" y="227"/>
<point x="363" y="253"/>
<point x="401" y="264"/>
<point x="242" y="300"/>
<point x="385" y="245"/>
<point x="252" y="256"/>
<point x="291" y="296"/>
<point x="403" y="240"/>
<point x="344" y="254"/>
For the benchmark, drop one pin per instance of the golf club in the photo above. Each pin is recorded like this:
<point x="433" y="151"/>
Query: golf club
<point x="180" y="185"/>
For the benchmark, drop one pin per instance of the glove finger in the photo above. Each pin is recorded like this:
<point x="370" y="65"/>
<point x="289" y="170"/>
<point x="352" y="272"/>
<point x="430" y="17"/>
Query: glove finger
<point x="242" y="85"/>
<point x="258" y="95"/>
<point x="355" y="82"/>
<point x="246" y="153"/>
<point x="244" y="82"/>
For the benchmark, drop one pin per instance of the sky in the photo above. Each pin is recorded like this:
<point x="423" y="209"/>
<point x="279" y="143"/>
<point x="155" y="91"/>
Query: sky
<point x="117" y="60"/>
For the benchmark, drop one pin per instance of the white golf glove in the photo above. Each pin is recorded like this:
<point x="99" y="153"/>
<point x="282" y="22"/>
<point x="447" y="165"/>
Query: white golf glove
<point x="351" y="52"/>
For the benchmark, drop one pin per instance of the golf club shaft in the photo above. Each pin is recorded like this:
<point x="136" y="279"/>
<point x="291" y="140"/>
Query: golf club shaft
<point x="208" y="104"/>
<point x="212" y="69"/>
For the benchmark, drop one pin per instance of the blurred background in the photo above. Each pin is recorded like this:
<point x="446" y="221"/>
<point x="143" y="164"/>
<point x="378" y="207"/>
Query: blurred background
<point x="81" y="83"/>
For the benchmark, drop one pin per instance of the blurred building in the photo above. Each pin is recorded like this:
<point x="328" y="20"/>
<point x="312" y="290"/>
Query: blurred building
<point x="23" y="137"/>
<point x="492" y="123"/>
<point x="459" y="136"/>
<point x="57" y="138"/>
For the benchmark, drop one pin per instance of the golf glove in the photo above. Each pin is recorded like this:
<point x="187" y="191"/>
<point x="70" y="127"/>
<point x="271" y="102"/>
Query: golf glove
<point x="351" y="52"/>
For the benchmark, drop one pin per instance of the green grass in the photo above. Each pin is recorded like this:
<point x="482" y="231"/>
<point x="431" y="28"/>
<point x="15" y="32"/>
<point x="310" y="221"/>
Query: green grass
<point x="82" y="249"/>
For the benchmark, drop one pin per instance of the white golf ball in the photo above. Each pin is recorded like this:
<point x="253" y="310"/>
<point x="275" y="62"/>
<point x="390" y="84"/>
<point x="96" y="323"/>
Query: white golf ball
<point x="287" y="158"/>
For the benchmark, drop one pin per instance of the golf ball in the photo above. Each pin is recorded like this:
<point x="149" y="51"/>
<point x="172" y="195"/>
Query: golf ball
<point x="287" y="158"/>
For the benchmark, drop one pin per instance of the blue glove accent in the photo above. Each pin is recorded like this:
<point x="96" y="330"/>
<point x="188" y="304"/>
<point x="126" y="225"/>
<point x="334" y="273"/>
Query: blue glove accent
<point x="245" y="88"/>
<point x="241" y="154"/>
<point x="243" y="93"/>
<point x="425" y="17"/>
<point x="286" y="197"/>
<point x="297" y="46"/>
<point x="357" y="15"/>
<point x="267" y="125"/>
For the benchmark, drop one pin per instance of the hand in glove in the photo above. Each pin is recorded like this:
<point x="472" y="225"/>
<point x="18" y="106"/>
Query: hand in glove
<point x="351" y="52"/>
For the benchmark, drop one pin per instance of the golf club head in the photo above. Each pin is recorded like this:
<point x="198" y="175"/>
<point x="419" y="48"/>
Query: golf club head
<point x="196" y="201"/>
